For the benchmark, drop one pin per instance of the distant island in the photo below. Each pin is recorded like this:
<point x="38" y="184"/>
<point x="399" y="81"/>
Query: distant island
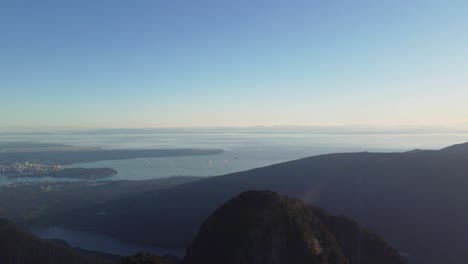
<point x="72" y="173"/>
<point x="36" y="160"/>
<point x="67" y="157"/>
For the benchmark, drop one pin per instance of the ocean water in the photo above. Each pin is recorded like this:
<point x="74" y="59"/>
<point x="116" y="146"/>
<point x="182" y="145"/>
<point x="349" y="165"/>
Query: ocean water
<point x="242" y="150"/>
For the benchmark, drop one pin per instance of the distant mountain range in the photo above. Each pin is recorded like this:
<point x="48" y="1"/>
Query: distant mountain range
<point x="417" y="200"/>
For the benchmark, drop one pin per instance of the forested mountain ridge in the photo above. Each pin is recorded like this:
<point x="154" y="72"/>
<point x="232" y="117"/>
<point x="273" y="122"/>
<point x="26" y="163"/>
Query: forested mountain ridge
<point x="259" y="227"/>
<point x="405" y="197"/>
<point x="21" y="247"/>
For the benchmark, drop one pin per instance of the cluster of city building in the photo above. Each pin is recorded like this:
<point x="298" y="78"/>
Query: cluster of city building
<point x="27" y="168"/>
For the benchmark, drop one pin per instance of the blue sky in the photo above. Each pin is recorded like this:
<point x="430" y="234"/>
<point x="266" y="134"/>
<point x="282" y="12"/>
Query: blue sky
<point x="112" y="63"/>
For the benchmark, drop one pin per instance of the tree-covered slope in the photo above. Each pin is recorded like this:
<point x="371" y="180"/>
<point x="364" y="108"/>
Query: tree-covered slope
<point x="262" y="227"/>
<point x="21" y="247"/>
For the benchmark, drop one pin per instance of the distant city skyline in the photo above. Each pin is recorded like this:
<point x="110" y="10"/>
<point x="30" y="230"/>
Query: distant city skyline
<point x="212" y="63"/>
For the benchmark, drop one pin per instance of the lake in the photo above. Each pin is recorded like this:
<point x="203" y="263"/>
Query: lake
<point x="100" y="242"/>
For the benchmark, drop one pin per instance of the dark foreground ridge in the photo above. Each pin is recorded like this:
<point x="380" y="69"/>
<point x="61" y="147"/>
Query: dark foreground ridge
<point x="262" y="227"/>
<point x="21" y="247"/>
<point x="257" y="227"/>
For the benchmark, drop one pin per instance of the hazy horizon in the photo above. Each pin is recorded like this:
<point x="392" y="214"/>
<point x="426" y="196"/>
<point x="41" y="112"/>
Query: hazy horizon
<point x="346" y="128"/>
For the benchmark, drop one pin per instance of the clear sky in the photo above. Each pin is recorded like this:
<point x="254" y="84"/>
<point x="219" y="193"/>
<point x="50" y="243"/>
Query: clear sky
<point x="112" y="63"/>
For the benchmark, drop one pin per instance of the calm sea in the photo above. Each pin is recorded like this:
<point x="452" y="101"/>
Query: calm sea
<point x="243" y="150"/>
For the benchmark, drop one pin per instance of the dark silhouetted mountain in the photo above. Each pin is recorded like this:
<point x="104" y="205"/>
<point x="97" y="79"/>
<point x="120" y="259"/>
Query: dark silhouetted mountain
<point x="459" y="148"/>
<point x="262" y="227"/>
<point x="21" y="247"/>
<point x="417" y="200"/>
<point x="148" y="258"/>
